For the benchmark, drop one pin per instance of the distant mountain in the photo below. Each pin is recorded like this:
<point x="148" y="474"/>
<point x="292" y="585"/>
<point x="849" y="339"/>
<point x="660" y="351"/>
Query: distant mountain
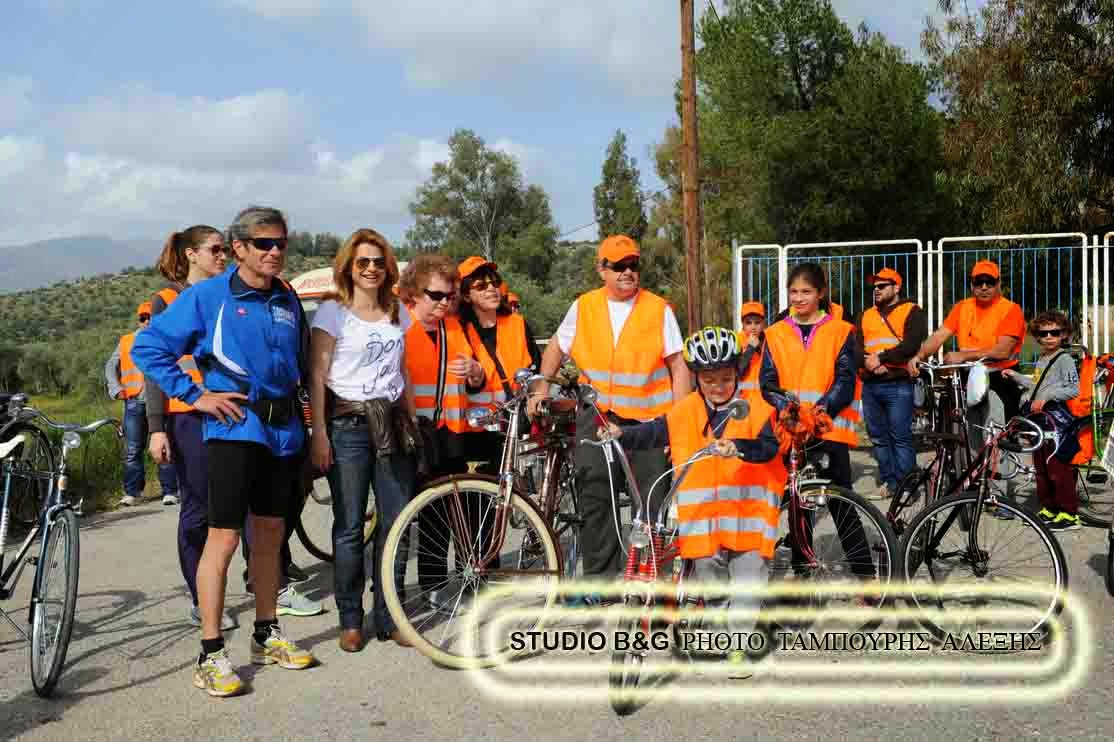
<point x="38" y="264"/>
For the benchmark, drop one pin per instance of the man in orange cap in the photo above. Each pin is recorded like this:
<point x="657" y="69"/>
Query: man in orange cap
<point x="986" y="325"/>
<point x="887" y="336"/>
<point x="514" y="302"/>
<point x="628" y="347"/>
<point x="125" y="381"/>
<point x="751" y="339"/>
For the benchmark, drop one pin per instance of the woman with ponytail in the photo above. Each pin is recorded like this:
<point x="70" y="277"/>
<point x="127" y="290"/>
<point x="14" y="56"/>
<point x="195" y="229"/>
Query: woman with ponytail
<point x="187" y="258"/>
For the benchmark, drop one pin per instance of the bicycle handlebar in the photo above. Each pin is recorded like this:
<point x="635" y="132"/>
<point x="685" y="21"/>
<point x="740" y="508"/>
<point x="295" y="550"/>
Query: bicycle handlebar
<point x="1012" y="447"/>
<point x="30" y="413"/>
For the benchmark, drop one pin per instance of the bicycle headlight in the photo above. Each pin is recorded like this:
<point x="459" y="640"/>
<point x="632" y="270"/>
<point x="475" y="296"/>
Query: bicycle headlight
<point x="478" y="417"/>
<point x="71" y="439"/>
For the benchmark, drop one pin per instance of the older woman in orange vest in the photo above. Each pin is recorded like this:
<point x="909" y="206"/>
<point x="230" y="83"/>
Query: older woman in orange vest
<point x="812" y="355"/>
<point x="728" y="505"/>
<point x="443" y="370"/>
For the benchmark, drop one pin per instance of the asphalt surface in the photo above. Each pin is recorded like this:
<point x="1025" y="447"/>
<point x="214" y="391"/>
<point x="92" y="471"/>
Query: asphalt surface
<point x="128" y="674"/>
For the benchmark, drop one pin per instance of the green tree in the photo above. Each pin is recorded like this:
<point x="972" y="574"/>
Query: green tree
<point x="618" y="199"/>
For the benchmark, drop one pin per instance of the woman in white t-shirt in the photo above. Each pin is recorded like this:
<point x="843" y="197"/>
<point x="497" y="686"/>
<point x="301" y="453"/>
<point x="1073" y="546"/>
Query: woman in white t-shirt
<point x="359" y="396"/>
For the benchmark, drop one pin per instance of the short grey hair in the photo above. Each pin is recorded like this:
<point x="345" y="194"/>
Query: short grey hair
<point x="253" y="217"/>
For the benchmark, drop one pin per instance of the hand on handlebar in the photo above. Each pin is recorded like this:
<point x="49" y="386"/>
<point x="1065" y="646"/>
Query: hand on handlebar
<point x="822" y="422"/>
<point x="725" y="447"/>
<point x="611" y="432"/>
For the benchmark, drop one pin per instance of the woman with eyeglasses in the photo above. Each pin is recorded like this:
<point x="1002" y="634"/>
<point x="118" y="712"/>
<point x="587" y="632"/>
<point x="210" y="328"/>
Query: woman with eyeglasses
<point x="359" y="397"/>
<point x="188" y="257"/>
<point x="443" y="369"/>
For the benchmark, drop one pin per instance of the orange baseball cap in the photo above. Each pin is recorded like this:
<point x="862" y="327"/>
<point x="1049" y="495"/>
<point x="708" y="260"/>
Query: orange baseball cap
<point x="886" y="274"/>
<point x="473" y="264"/>
<point x="987" y="268"/>
<point x="753" y="307"/>
<point x="616" y="247"/>
<point x="142" y="309"/>
<point x="512" y="298"/>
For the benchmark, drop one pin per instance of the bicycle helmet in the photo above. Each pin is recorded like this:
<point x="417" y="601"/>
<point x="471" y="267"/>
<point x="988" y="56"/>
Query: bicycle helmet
<point x="712" y="348"/>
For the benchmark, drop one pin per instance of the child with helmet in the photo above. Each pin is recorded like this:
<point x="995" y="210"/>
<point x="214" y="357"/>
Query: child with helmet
<point x="728" y="504"/>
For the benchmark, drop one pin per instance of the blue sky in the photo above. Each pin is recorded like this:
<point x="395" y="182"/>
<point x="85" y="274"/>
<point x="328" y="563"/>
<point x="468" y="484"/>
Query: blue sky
<point x="134" y="118"/>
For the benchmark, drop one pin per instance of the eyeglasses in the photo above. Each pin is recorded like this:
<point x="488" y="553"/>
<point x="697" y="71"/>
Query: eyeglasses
<point x="266" y="244"/>
<point x="144" y="318"/>
<point x="631" y="264"/>
<point x="439" y="296"/>
<point x="217" y="251"/>
<point x="981" y="281"/>
<point x="482" y="284"/>
<point x="880" y="286"/>
<point x="1048" y="333"/>
<point x="362" y="263"/>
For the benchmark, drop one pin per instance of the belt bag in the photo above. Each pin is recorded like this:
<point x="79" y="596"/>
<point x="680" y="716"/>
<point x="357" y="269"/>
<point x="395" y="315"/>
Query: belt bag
<point x="276" y="412"/>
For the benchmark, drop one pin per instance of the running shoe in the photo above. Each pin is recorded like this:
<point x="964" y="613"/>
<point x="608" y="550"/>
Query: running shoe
<point x="228" y="621"/>
<point x="215" y="675"/>
<point x="1065" y="522"/>
<point x="293" y="603"/>
<point x="170" y="499"/>
<point x="278" y="650"/>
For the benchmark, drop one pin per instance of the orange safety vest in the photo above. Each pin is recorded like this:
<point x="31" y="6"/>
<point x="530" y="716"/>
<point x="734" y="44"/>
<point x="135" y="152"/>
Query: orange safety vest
<point x="723" y="502"/>
<point x="131" y="378"/>
<point x="978" y="329"/>
<point x="1080" y="406"/>
<point x="422" y="359"/>
<point x="748" y="382"/>
<point x="510" y="346"/>
<point x="186" y="363"/>
<point x="877" y="336"/>
<point x="809" y="372"/>
<point x="630" y="376"/>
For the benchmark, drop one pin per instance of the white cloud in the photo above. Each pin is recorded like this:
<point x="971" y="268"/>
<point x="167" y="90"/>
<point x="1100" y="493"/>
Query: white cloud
<point x="18" y="155"/>
<point x="270" y="129"/>
<point x="15" y="100"/>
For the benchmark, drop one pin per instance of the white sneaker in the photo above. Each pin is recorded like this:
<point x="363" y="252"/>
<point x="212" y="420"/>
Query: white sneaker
<point x="128" y="500"/>
<point x="882" y="493"/>
<point x="227" y="623"/>
<point x="169" y="499"/>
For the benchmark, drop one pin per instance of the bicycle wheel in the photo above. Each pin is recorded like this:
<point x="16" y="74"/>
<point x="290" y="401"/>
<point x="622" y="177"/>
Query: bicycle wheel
<point x="431" y="590"/>
<point x="1096" y="495"/>
<point x="568" y="520"/>
<point x="315" y="527"/>
<point x="936" y="551"/>
<point x="1110" y="563"/>
<point x="626" y="664"/>
<point x="855" y="553"/>
<point x="52" y="616"/>
<point x="36" y="459"/>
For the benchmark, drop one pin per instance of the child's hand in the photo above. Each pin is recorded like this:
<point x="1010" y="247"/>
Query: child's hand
<point x="1037" y="405"/>
<point x="1008" y="373"/>
<point x="725" y="447"/>
<point x="611" y="431"/>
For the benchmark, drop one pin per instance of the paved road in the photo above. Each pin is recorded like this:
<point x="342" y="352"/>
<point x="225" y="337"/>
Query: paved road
<point x="128" y="676"/>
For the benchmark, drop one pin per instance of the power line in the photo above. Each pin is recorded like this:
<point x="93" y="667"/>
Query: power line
<point x="574" y="231"/>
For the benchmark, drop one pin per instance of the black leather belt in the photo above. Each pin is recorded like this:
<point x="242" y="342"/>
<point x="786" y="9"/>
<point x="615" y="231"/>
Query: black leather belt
<point x="275" y="411"/>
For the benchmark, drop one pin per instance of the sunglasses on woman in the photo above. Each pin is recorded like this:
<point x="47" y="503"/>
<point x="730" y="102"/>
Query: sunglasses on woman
<point x="362" y="263"/>
<point x="482" y="284"/>
<point x="439" y="296"/>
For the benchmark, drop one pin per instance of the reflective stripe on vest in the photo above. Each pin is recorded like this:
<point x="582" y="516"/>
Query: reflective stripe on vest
<point x="724" y="503"/>
<point x="630" y="375"/>
<point x="131" y="378"/>
<point x="186" y="363"/>
<point x="877" y="336"/>
<point x="513" y="351"/>
<point x="979" y="332"/>
<point x="809" y="373"/>
<point x="421" y="357"/>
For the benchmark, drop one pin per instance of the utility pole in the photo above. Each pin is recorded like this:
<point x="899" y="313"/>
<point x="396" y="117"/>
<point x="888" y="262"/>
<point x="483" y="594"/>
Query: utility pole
<point x="690" y="183"/>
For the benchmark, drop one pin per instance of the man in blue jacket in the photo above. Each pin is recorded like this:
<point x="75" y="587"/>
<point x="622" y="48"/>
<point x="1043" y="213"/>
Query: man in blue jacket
<point x="246" y="331"/>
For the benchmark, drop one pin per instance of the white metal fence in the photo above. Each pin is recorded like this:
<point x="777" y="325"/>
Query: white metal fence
<point x="1066" y="271"/>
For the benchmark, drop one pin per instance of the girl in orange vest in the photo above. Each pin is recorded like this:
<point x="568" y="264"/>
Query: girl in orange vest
<point x="188" y="257"/>
<point x="443" y="370"/>
<point x="727" y="505"/>
<point x="812" y="355"/>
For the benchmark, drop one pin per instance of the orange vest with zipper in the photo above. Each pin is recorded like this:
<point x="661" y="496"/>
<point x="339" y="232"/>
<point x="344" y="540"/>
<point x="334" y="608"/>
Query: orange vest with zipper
<point x="810" y="372"/>
<point x="723" y="502"/>
<point x="978" y="329"/>
<point x="186" y="363"/>
<point x="131" y="378"/>
<point x="630" y="375"/>
<point x="422" y="357"/>
<point x="877" y="336"/>
<point x="510" y="346"/>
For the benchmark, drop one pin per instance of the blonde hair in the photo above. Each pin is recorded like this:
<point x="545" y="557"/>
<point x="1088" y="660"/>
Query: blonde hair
<point x="342" y="271"/>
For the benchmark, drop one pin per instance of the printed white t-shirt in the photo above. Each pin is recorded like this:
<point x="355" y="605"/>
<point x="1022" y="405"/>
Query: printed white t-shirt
<point x="367" y="360"/>
<point x="619" y="311"/>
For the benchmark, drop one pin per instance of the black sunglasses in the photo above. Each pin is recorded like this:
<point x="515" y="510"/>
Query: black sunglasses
<point x="266" y="244"/>
<point x="439" y="296"/>
<point x="1048" y="333"/>
<point x="984" y="281"/>
<point x="880" y="286"/>
<point x="363" y="262"/>
<point x="482" y="284"/>
<point x="216" y="250"/>
<point x="631" y="264"/>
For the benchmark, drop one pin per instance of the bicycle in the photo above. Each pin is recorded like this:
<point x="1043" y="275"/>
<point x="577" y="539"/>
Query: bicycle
<point x="472" y="518"/>
<point x="652" y="554"/>
<point x="38" y="453"/>
<point x="1096" y="496"/>
<point x="954" y="534"/>
<point x="58" y="560"/>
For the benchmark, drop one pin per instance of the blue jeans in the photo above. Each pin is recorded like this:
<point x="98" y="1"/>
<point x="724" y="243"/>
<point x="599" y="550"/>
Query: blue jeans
<point x="355" y="470"/>
<point x="888" y="413"/>
<point x="135" y="431"/>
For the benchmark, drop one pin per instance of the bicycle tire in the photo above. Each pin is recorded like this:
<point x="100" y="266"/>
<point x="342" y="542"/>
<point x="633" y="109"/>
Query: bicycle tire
<point x="1093" y="511"/>
<point x="26" y="501"/>
<point x="545" y="547"/>
<point x="911" y="554"/>
<point x="324" y="550"/>
<point x="883" y="552"/>
<point x="46" y="667"/>
<point x="625" y="669"/>
<point x="1110" y="564"/>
